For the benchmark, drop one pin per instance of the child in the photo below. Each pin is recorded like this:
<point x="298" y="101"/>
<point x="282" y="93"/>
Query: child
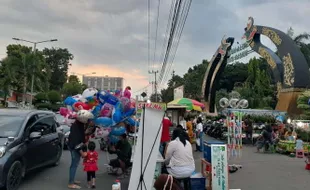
<point x="299" y="143"/>
<point x="90" y="164"/>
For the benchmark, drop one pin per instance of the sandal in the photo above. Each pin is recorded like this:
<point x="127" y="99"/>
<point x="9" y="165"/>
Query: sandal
<point x="74" y="186"/>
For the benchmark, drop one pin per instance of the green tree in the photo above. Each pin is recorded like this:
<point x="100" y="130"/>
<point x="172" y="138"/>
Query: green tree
<point x="167" y="94"/>
<point x="71" y="88"/>
<point x="73" y="78"/>
<point x="41" y="97"/>
<point x="153" y="98"/>
<point x="28" y="65"/>
<point x="58" y="62"/>
<point x="193" y="80"/>
<point x="54" y="96"/>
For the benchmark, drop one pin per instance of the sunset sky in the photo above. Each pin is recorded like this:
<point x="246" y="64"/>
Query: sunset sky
<point x="109" y="37"/>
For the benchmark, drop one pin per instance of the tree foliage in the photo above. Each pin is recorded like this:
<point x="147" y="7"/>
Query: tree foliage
<point x="54" y="96"/>
<point x="58" y="61"/>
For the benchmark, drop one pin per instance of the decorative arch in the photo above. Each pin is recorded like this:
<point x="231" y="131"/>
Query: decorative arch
<point x="213" y="73"/>
<point x="289" y="66"/>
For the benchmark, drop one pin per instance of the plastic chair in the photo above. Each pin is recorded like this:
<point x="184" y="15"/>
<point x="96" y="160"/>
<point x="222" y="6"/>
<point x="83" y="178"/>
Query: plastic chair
<point x="300" y="153"/>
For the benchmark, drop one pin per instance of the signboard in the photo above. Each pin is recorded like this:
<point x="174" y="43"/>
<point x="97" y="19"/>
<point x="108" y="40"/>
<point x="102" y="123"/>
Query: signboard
<point x="178" y="92"/>
<point x="240" y="52"/>
<point x="219" y="167"/>
<point x="146" y="152"/>
<point x="158" y="106"/>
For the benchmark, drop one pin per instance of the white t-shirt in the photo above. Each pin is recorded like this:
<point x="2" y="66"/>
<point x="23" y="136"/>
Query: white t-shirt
<point x="199" y="127"/>
<point x="178" y="155"/>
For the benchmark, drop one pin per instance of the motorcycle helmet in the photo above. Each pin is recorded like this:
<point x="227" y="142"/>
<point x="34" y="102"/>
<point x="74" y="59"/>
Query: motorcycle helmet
<point x="84" y="115"/>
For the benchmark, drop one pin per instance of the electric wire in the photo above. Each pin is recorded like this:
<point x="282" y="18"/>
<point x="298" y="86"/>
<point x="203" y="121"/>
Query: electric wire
<point x="171" y="36"/>
<point x="185" y="11"/>
<point x="156" y="33"/>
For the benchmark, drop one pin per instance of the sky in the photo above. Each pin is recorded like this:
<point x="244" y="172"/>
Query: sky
<point x="110" y="37"/>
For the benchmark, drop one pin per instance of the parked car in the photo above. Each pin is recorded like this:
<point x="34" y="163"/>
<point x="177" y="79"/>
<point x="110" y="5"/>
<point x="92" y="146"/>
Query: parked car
<point x="28" y="140"/>
<point x="63" y="128"/>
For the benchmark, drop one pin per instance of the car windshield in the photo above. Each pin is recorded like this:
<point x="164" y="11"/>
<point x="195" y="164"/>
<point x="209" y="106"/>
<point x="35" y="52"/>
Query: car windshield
<point x="10" y="125"/>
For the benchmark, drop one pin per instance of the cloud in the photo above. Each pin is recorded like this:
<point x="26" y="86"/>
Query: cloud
<point x="111" y="37"/>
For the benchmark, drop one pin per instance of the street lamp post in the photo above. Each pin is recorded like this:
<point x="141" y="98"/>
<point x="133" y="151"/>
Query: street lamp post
<point x="34" y="53"/>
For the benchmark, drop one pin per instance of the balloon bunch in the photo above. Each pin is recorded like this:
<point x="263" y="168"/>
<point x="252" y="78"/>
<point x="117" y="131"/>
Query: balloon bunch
<point x="108" y="110"/>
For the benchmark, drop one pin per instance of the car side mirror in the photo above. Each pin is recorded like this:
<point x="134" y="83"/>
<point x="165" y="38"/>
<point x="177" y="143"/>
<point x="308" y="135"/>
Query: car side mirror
<point x="35" y="135"/>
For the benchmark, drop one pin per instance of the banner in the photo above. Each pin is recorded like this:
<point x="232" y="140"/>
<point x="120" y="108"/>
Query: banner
<point x="146" y="151"/>
<point x="219" y="167"/>
<point x="158" y="106"/>
<point x="178" y="92"/>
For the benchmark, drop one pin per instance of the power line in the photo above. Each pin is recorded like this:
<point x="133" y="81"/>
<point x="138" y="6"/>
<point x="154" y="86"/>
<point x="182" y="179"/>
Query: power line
<point x="157" y="22"/>
<point x="171" y="36"/>
<point x="149" y="32"/>
<point x="180" y="27"/>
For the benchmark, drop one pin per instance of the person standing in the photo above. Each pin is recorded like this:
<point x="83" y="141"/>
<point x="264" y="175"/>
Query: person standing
<point x="249" y="129"/>
<point x="199" y="133"/>
<point x="76" y="137"/>
<point x="76" y="141"/>
<point x="190" y="132"/>
<point x="165" y="134"/>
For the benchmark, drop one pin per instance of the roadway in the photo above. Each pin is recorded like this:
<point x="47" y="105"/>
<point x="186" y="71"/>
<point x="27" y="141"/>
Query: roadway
<point x="260" y="171"/>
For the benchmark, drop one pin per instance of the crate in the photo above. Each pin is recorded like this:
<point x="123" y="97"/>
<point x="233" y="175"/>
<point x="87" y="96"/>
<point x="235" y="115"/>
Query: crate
<point x="198" y="182"/>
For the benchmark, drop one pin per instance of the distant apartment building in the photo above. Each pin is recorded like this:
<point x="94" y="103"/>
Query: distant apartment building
<point x="104" y="82"/>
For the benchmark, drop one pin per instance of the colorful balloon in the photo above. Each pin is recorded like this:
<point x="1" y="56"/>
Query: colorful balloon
<point x="126" y="103"/>
<point x="113" y="139"/>
<point x="130" y="112"/>
<point x="130" y="121"/>
<point x="96" y="111"/>
<point x="117" y="131"/>
<point x="103" y="121"/>
<point x="88" y="92"/>
<point x="127" y="92"/>
<point x="81" y="106"/>
<point x="105" y="97"/>
<point x="92" y="101"/>
<point x="117" y="113"/>
<point x="106" y="110"/>
<point x="69" y="101"/>
<point x="63" y="111"/>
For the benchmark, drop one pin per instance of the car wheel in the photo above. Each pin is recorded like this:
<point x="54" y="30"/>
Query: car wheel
<point x="59" y="153"/>
<point x="14" y="176"/>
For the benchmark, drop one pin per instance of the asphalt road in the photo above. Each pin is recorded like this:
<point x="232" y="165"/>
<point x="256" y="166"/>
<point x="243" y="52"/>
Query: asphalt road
<point x="260" y="171"/>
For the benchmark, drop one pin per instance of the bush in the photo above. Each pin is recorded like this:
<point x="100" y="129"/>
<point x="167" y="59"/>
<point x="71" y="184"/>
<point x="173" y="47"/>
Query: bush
<point x="43" y="106"/>
<point x="41" y="97"/>
<point x="54" y="96"/>
<point x="55" y="107"/>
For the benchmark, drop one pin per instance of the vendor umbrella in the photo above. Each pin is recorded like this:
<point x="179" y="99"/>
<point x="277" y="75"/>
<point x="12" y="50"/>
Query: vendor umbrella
<point x="191" y="104"/>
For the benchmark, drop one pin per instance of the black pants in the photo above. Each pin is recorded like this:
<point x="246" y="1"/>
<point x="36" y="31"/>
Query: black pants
<point x="91" y="175"/>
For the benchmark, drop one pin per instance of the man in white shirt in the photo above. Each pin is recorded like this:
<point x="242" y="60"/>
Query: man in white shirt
<point x="199" y="133"/>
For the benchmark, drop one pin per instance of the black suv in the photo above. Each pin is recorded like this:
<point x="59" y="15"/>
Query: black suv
<point x="28" y="140"/>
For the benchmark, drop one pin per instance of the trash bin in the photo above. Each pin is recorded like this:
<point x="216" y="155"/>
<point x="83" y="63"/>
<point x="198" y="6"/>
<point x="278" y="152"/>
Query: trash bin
<point x="207" y="149"/>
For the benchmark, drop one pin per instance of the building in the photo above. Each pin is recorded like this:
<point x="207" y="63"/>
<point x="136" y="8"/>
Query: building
<point x="104" y="83"/>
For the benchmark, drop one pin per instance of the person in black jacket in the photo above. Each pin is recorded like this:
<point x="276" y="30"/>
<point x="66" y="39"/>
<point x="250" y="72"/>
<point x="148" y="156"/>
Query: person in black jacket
<point x="76" y="142"/>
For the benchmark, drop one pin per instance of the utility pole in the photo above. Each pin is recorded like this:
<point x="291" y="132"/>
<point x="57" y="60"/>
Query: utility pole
<point x="155" y="82"/>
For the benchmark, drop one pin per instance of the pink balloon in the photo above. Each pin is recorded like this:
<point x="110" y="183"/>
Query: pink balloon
<point x="127" y="93"/>
<point x="106" y="110"/>
<point x="64" y="111"/>
<point x="126" y="103"/>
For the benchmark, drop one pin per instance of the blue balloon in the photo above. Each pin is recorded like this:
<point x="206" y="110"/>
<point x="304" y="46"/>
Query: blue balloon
<point x="113" y="139"/>
<point x="131" y="122"/>
<point x="104" y="96"/>
<point x="117" y="131"/>
<point x="117" y="116"/>
<point x="69" y="101"/>
<point x="130" y="112"/>
<point x="96" y="110"/>
<point x="103" y="121"/>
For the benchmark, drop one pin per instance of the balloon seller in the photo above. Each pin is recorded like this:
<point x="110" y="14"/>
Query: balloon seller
<point x="112" y="112"/>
